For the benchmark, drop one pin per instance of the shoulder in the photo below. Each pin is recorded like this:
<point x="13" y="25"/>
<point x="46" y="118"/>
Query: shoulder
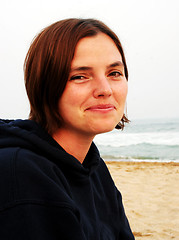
<point x="29" y="177"/>
<point x="7" y="158"/>
<point x="18" y="164"/>
<point x="15" y="160"/>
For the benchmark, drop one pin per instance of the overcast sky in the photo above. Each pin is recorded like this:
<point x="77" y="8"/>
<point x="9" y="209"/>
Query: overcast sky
<point x="148" y="30"/>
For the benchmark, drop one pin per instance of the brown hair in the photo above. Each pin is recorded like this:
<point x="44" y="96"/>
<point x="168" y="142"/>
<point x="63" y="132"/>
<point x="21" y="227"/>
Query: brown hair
<point x="48" y="63"/>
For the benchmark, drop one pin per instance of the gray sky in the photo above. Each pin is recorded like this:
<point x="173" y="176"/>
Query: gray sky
<point x="148" y="30"/>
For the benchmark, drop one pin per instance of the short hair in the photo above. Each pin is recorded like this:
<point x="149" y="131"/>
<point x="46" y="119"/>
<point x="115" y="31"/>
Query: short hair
<point x="48" y="63"/>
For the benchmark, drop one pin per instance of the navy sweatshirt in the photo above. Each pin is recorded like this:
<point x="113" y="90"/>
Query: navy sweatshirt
<point x="47" y="194"/>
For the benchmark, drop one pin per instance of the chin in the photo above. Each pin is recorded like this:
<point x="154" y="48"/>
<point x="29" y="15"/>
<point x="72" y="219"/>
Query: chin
<point x="103" y="128"/>
<point x="107" y="130"/>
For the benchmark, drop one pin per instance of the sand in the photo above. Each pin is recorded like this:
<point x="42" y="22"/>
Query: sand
<point x="151" y="197"/>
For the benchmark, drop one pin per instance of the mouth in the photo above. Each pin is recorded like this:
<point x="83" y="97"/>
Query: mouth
<point x="101" y="108"/>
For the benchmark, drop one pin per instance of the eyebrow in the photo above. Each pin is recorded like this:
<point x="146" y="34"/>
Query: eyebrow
<point x="116" y="64"/>
<point x="85" y="68"/>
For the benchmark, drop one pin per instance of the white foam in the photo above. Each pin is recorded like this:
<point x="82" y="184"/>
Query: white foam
<point x="127" y="139"/>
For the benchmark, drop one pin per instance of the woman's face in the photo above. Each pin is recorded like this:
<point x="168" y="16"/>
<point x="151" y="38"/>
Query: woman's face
<point x="93" y="101"/>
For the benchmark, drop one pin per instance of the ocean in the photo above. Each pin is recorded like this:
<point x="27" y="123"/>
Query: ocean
<point x="142" y="140"/>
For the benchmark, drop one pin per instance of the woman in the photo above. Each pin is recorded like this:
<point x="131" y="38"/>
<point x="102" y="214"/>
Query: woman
<point x="54" y="185"/>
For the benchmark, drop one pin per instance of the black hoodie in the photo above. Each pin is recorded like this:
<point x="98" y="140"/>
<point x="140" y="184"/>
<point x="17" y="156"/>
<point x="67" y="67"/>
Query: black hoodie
<point x="45" y="193"/>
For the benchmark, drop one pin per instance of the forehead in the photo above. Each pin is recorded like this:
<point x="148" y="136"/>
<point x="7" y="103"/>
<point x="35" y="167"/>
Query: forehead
<point x="96" y="48"/>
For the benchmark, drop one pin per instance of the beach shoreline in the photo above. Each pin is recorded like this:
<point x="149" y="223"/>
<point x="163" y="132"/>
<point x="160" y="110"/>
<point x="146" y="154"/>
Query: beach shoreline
<point x="150" y="196"/>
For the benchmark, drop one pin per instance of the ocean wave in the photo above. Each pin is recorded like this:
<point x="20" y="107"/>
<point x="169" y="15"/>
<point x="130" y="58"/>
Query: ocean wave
<point x="127" y="139"/>
<point x="128" y="158"/>
<point x="141" y="151"/>
<point x="142" y="141"/>
<point x="136" y="159"/>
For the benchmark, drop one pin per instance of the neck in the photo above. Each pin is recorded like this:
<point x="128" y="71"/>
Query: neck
<point x="75" y="144"/>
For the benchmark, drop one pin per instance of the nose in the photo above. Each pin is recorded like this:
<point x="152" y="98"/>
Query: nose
<point x="102" y="88"/>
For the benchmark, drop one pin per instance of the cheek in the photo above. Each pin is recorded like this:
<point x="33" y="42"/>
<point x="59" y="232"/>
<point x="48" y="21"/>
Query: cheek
<point x="121" y="91"/>
<point x="71" y="99"/>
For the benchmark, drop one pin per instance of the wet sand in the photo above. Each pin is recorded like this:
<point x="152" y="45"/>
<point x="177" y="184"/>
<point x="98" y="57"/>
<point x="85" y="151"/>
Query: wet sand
<point x="151" y="197"/>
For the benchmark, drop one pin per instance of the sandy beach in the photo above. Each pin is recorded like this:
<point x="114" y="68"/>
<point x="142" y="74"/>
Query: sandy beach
<point x="151" y="197"/>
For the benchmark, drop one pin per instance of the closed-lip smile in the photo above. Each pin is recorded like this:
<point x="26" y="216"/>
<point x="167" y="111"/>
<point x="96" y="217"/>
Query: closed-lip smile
<point x="101" y="107"/>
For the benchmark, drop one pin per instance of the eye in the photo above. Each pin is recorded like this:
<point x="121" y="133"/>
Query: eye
<point x="115" y="74"/>
<point x="77" y="77"/>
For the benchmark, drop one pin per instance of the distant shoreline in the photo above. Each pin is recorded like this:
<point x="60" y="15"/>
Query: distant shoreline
<point x="140" y="161"/>
<point x="145" y="163"/>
